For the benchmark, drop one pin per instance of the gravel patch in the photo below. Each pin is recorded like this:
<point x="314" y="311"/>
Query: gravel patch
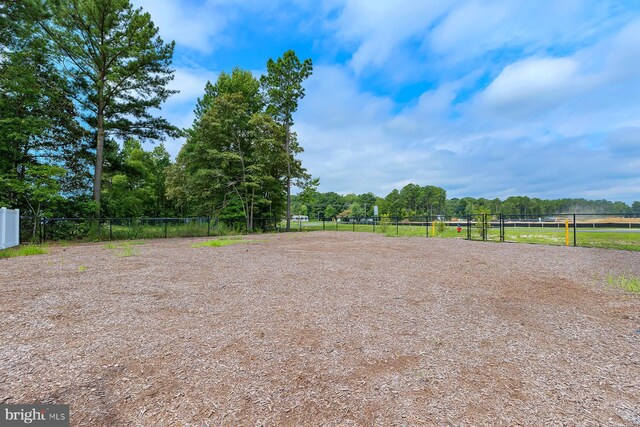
<point x="324" y="328"/>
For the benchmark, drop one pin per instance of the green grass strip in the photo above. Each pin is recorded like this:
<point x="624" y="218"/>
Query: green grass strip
<point x="221" y="242"/>
<point x="24" y="250"/>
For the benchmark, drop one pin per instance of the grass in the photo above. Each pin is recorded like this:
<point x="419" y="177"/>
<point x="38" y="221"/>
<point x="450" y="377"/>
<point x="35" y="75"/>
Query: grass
<point x="547" y="236"/>
<point x="223" y="241"/>
<point x="125" y="249"/>
<point x="628" y="282"/>
<point x="113" y="245"/>
<point x="23" y="250"/>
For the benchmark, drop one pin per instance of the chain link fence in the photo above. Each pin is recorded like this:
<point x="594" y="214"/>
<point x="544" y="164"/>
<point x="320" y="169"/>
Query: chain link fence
<point x="579" y="229"/>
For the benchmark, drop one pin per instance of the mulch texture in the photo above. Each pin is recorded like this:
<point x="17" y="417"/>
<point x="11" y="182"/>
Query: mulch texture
<point x="323" y="328"/>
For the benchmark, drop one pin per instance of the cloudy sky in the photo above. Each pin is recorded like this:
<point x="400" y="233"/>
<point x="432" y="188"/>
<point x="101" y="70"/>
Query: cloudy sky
<point x="485" y="98"/>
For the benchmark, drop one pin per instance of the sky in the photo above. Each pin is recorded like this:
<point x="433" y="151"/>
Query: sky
<point x="484" y="98"/>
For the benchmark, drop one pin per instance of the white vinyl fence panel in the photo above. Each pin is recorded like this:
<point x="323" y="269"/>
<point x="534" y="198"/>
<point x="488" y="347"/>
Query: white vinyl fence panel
<point x="9" y="227"/>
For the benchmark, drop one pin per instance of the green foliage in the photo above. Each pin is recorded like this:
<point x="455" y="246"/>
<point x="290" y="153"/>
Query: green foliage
<point x="79" y="77"/>
<point x="356" y="210"/>
<point x="440" y="226"/>
<point x="41" y="145"/>
<point x="233" y="162"/>
<point x="330" y="212"/>
<point x="70" y="230"/>
<point x="136" y="186"/>
<point x="117" y="66"/>
<point x="385" y="222"/>
<point x="283" y="87"/>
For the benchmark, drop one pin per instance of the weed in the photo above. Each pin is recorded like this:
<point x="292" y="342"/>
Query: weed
<point x="113" y="245"/>
<point x="127" y="251"/>
<point x="23" y="250"/>
<point x="82" y="268"/>
<point x="438" y="342"/>
<point x="628" y="282"/>
<point x="222" y="242"/>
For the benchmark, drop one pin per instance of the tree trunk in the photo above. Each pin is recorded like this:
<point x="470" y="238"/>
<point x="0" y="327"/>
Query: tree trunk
<point x="97" y="176"/>
<point x="286" y="147"/>
<point x="253" y="193"/>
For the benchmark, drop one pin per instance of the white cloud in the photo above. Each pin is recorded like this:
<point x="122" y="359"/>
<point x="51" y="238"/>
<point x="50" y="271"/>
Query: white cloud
<point x="536" y="129"/>
<point x="197" y="27"/>
<point x="480" y="26"/>
<point x="333" y="99"/>
<point x="531" y="85"/>
<point x="535" y="98"/>
<point x="378" y="27"/>
<point x="190" y="82"/>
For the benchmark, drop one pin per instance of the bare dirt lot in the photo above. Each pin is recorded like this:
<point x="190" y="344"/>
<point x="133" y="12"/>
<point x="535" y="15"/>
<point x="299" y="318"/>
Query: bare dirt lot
<point x="323" y="328"/>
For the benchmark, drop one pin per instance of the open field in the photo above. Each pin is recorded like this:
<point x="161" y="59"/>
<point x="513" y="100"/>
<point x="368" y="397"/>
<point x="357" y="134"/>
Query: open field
<point x="324" y="328"/>
<point x="613" y="233"/>
<point x="614" y="238"/>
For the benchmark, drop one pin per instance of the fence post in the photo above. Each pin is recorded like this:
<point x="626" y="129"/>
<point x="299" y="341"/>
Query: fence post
<point x="575" y="243"/>
<point x="426" y="220"/>
<point x="164" y="222"/>
<point x="110" y="230"/>
<point x="208" y="226"/>
<point x="322" y="224"/>
<point x="374" y="223"/>
<point x="3" y="227"/>
<point x="397" y="229"/>
<point x="501" y="228"/>
<point x="468" y="226"/>
<point x="484" y="227"/>
<point x="354" y="225"/>
<point x="42" y="230"/>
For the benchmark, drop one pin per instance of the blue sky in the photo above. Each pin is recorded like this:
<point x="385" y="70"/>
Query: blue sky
<point x="485" y="98"/>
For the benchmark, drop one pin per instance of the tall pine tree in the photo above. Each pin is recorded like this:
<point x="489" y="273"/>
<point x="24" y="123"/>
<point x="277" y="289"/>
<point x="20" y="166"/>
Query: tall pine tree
<point x="118" y="68"/>
<point x="41" y="144"/>
<point x="283" y="86"/>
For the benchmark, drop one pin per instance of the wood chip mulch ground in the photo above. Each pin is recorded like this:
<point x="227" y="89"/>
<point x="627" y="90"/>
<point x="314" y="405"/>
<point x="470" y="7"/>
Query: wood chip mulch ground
<point x="323" y="328"/>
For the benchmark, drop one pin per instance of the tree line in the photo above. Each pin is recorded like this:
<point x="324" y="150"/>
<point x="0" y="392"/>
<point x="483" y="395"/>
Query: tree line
<point x="418" y="201"/>
<point x="81" y="82"/>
